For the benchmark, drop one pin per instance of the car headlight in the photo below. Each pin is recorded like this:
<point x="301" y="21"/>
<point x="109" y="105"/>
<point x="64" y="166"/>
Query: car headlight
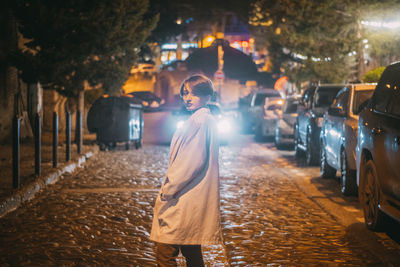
<point x="179" y="124"/>
<point x="319" y="121"/>
<point x="154" y="104"/>
<point x="224" y="126"/>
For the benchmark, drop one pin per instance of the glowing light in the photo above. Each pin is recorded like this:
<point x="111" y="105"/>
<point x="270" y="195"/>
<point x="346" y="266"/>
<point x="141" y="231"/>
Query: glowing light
<point x="380" y="24"/>
<point x="179" y="124"/>
<point x="235" y="45"/>
<point x="224" y="126"/>
<point x="208" y="40"/>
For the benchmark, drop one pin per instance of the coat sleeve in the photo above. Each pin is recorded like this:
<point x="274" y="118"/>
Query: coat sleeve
<point x="190" y="162"/>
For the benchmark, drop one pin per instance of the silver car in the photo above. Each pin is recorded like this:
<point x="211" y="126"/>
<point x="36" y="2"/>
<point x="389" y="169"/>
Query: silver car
<point x="252" y="108"/>
<point x="284" y="130"/>
<point x="339" y="135"/>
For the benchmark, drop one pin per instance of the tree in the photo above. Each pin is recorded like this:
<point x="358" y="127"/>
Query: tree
<point x="373" y="75"/>
<point x="316" y="40"/>
<point x="72" y="41"/>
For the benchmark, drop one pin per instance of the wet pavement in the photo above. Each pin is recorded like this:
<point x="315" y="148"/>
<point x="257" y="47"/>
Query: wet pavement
<point x="101" y="215"/>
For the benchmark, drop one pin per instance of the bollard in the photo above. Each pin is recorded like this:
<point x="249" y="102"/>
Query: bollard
<point x="16" y="126"/>
<point x="55" y="139"/>
<point x="78" y="136"/>
<point x="67" y="136"/>
<point x="38" y="143"/>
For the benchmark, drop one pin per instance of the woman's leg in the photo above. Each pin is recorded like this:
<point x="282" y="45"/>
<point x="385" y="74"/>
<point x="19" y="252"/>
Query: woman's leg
<point x="193" y="255"/>
<point x="166" y="254"/>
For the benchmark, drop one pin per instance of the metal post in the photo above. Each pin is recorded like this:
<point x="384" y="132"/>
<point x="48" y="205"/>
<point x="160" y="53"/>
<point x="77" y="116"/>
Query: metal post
<point x="16" y="152"/>
<point x="55" y="139"/>
<point x="67" y="136"/>
<point x="78" y="137"/>
<point x="38" y="143"/>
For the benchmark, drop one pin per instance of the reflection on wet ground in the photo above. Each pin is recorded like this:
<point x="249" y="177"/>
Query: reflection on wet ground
<point x="101" y="215"/>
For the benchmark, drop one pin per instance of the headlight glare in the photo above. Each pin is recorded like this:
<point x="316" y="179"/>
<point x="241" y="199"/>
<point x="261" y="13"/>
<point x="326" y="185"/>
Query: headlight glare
<point x="224" y="126"/>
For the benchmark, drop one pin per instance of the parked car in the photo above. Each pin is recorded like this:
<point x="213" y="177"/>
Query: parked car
<point x="378" y="151"/>
<point x="149" y="100"/>
<point x="284" y="130"/>
<point x="339" y="135"/>
<point x="268" y="118"/>
<point x="309" y="120"/>
<point x="251" y="107"/>
<point x="225" y="121"/>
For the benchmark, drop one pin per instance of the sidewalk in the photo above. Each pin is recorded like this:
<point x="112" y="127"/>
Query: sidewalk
<point x="11" y="198"/>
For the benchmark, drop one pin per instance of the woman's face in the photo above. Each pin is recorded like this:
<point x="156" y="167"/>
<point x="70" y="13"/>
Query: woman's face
<point x="193" y="102"/>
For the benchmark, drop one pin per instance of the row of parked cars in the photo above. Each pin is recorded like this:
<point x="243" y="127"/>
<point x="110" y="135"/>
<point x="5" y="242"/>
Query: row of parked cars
<point x="353" y="129"/>
<point x="268" y="115"/>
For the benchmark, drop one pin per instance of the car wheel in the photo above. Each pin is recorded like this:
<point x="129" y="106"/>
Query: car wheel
<point x="137" y="144"/>
<point x="326" y="170"/>
<point x="278" y="145"/>
<point x="298" y="153"/>
<point x="310" y="154"/>
<point x="370" y="197"/>
<point x="348" y="177"/>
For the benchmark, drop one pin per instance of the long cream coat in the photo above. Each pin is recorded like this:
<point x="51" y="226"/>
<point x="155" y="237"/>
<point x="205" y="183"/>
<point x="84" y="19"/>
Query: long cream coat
<point x="186" y="211"/>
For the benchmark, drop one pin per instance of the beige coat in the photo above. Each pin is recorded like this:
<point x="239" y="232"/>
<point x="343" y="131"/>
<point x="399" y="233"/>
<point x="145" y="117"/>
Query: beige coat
<point x="186" y="211"/>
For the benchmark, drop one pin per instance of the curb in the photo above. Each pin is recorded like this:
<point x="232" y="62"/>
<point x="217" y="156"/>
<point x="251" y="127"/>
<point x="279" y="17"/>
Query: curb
<point x="29" y="191"/>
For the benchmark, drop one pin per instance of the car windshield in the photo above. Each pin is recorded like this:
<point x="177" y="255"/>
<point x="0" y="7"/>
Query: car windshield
<point x="260" y="97"/>
<point x="324" y="96"/>
<point x="359" y="98"/>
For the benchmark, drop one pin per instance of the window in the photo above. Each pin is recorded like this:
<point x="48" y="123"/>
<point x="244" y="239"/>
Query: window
<point x="384" y="90"/>
<point x="394" y="102"/>
<point x="342" y="99"/>
<point x="382" y="96"/>
<point x="359" y="98"/>
<point x="290" y="107"/>
<point x="324" y="96"/>
<point x="386" y="97"/>
<point x="259" y="100"/>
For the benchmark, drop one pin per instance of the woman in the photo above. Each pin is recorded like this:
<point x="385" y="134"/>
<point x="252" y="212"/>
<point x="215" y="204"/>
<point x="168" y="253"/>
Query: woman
<point x="186" y="213"/>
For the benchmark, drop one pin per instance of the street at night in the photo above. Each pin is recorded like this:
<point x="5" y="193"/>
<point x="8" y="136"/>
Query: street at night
<point x="274" y="212"/>
<point x="199" y="133"/>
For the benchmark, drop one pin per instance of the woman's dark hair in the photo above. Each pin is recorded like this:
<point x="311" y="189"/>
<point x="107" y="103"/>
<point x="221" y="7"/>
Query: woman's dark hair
<point x="200" y="85"/>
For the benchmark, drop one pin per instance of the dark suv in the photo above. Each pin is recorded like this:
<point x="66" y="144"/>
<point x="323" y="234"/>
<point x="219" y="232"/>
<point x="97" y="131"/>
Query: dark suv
<point x="310" y="111"/>
<point x="378" y="151"/>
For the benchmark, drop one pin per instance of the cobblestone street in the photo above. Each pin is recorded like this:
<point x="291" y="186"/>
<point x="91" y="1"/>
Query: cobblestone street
<point x="101" y="216"/>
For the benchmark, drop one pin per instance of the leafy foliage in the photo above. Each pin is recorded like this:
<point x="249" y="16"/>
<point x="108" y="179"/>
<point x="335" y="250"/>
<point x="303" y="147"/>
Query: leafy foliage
<point x="71" y="41"/>
<point x="373" y="75"/>
<point x="317" y="40"/>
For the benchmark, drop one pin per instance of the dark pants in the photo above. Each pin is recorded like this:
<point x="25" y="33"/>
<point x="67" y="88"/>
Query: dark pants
<point x="167" y="254"/>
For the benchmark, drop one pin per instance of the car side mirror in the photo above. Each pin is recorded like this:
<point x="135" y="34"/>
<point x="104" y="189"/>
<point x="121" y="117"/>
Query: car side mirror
<point x="335" y="111"/>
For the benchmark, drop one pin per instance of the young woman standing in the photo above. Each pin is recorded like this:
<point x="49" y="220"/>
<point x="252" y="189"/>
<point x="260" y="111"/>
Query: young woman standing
<point x="186" y="212"/>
